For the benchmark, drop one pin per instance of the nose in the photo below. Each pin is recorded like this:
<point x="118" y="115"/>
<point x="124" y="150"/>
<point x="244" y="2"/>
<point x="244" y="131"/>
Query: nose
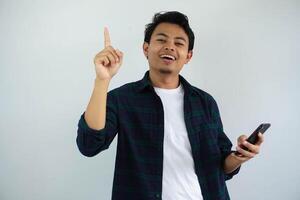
<point x="168" y="48"/>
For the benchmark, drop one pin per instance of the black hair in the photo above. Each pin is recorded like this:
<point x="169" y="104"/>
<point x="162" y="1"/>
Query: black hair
<point x="173" y="17"/>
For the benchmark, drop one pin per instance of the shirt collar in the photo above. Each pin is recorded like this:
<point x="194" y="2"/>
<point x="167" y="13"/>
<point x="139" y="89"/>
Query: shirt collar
<point x="145" y="83"/>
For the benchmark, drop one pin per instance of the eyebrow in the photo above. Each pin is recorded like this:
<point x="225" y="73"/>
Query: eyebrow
<point x="163" y="34"/>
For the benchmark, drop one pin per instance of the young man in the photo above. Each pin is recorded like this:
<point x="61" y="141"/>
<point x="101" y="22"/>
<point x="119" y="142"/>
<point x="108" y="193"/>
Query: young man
<point x="171" y="143"/>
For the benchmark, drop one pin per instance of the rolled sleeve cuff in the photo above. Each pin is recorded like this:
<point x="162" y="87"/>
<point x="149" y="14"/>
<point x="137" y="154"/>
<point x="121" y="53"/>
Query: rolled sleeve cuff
<point x="229" y="176"/>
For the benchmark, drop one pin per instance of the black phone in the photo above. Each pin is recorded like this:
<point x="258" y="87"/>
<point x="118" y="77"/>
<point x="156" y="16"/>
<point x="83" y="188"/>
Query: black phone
<point x="253" y="138"/>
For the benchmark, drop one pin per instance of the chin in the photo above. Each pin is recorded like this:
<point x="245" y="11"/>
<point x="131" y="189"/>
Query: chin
<point x="165" y="71"/>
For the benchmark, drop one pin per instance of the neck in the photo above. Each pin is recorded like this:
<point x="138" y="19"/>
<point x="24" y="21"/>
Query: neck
<point x="164" y="80"/>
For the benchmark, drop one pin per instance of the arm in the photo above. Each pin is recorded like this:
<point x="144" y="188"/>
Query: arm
<point x="231" y="162"/>
<point x="230" y="166"/>
<point x="107" y="63"/>
<point x="98" y="126"/>
<point x="95" y="113"/>
<point x="90" y="141"/>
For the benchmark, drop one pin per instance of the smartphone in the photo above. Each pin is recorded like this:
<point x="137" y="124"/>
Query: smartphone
<point x="253" y="138"/>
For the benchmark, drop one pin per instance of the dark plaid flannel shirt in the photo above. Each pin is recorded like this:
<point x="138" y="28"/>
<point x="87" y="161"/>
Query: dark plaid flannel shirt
<point x="135" y="112"/>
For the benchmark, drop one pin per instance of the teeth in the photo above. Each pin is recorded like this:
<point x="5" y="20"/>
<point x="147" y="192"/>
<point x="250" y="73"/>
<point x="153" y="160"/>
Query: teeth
<point x="168" y="56"/>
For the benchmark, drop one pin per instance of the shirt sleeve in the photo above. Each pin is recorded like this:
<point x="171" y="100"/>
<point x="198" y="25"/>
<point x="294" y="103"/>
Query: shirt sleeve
<point x="90" y="142"/>
<point x="224" y="143"/>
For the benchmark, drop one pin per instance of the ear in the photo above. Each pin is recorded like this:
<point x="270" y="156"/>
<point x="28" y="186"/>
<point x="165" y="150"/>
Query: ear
<point x="145" y="49"/>
<point x="189" y="56"/>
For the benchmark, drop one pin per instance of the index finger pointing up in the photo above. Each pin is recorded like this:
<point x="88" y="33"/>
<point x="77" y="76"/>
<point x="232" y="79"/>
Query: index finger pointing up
<point x="106" y="37"/>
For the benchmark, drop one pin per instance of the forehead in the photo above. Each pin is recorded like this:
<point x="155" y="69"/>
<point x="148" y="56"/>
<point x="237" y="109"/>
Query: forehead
<point x="171" y="30"/>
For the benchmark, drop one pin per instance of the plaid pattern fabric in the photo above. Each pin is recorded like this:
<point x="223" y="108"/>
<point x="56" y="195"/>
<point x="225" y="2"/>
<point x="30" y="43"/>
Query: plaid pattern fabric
<point x="135" y="112"/>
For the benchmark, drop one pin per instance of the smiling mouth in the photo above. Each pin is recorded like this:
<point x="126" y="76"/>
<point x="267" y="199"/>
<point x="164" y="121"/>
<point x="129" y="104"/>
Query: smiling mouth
<point x="168" y="57"/>
<point x="167" y="61"/>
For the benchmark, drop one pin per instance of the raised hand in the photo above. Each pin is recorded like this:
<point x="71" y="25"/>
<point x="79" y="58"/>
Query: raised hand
<point x="108" y="61"/>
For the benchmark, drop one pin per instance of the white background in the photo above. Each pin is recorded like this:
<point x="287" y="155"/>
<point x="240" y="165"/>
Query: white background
<point x="246" y="56"/>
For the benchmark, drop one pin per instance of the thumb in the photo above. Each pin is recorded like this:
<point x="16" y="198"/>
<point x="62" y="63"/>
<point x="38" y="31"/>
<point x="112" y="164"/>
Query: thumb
<point x="241" y="139"/>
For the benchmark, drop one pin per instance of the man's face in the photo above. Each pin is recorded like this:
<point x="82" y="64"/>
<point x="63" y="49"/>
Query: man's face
<point x="167" y="51"/>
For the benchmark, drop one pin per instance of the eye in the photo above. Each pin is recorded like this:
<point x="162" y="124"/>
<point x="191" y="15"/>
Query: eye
<point x="161" y="40"/>
<point x="179" y="44"/>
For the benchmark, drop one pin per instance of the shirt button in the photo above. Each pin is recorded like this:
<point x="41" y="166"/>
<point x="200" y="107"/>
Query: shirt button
<point x="157" y="196"/>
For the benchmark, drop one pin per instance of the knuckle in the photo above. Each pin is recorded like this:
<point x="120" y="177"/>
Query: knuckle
<point x="110" y="48"/>
<point x="112" y="53"/>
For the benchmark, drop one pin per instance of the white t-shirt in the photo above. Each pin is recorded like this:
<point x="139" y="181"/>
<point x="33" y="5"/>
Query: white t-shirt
<point x="179" y="178"/>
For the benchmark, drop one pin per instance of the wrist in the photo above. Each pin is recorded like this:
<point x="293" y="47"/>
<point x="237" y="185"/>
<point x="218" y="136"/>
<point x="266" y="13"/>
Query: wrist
<point x="237" y="159"/>
<point x="101" y="82"/>
<point x="232" y="162"/>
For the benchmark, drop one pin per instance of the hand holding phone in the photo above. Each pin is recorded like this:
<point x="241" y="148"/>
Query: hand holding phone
<point x="253" y="138"/>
